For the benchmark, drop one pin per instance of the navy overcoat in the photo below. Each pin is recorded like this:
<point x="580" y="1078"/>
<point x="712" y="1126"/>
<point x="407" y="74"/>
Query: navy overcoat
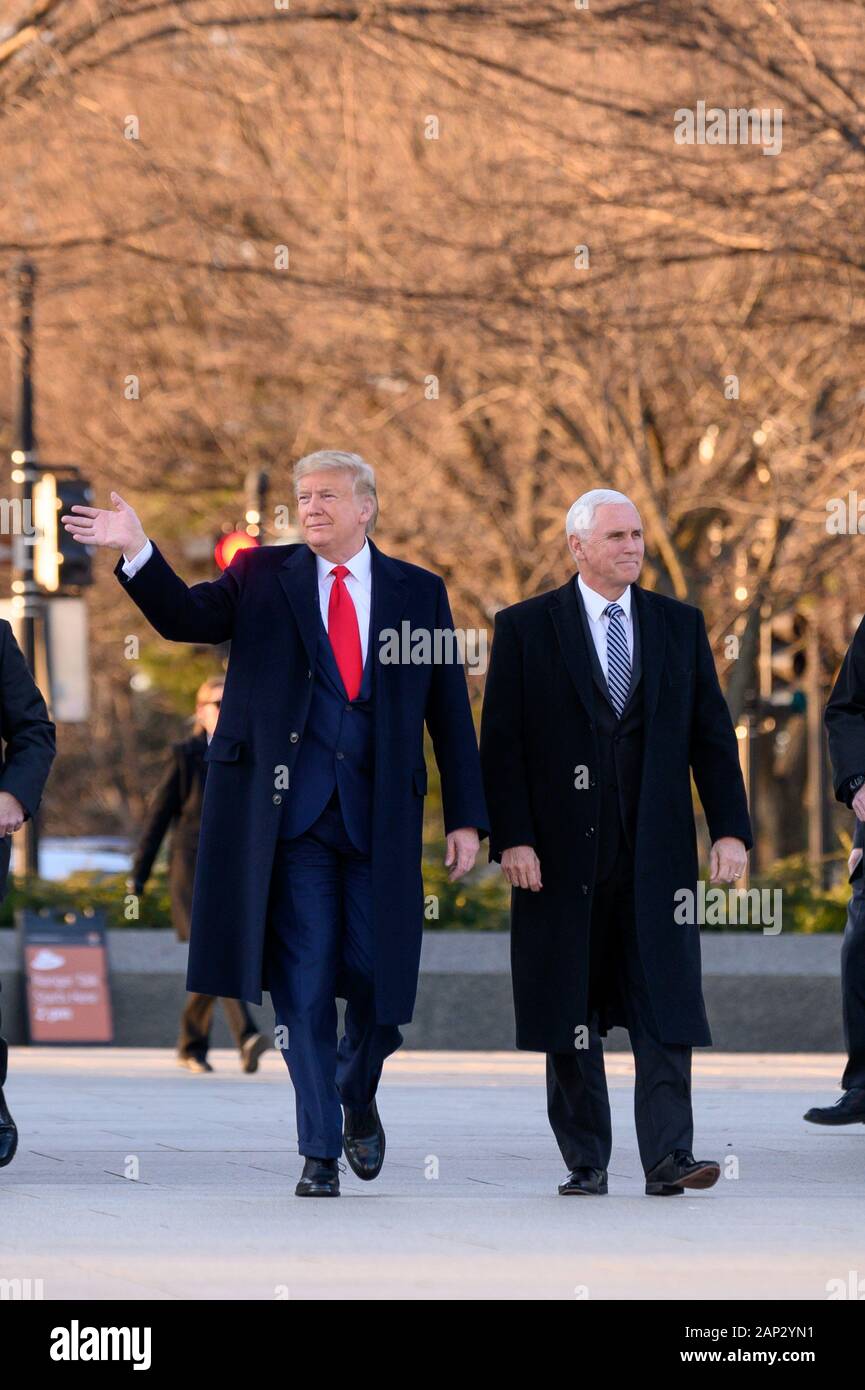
<point x="266" y="603"/>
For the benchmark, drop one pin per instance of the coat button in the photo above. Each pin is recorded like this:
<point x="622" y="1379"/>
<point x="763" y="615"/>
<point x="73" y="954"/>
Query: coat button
<point x="340" y="756"/>
<point x="585" y="887"/>
<point x="309" y="675"/>
<point x="277" y="798"/>
<point x="294" y="737"/>
<point x="590" y="832"/>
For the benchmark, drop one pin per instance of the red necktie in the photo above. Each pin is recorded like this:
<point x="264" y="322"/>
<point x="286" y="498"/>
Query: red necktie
<point x="344" y="633"/>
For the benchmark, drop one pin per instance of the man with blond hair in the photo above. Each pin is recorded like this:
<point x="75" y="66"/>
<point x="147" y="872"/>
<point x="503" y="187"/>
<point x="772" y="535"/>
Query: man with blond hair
<point x="308" y="879"/>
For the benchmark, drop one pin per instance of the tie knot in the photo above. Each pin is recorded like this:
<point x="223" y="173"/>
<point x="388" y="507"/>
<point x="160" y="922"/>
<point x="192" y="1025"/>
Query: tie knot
<point x="614" y="611"/>
<point x="340" y="571"/>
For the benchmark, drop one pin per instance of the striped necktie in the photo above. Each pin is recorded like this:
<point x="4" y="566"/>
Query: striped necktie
<point x="618" y="658"/>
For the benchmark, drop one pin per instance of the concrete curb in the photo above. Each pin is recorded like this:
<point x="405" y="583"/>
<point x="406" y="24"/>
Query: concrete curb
<point x="763" y="993"/>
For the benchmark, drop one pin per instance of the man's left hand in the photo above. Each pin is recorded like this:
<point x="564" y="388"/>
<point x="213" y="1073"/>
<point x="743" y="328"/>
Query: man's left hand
<point x="728" y="860"/>
<point x="11" y="813"/>
<point x="462" y="851"/>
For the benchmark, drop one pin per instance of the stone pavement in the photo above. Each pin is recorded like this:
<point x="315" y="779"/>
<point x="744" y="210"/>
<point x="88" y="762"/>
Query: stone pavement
<point x="137" y="1180"/>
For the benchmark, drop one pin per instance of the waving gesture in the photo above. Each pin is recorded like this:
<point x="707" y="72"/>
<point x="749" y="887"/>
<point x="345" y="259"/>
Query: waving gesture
<point x="120" y="529"/>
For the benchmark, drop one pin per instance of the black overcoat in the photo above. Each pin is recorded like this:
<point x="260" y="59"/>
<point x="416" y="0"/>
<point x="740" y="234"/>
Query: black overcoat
<point x="175" y="807"/>
<point x="845" y="726"/>
<point x="537" y="727"/>
<point x="29" y="737"/>
<point x="266" y="602"/>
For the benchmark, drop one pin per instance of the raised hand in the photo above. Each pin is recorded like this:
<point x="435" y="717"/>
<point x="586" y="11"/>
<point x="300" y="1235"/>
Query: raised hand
<point x="120" y="529"/>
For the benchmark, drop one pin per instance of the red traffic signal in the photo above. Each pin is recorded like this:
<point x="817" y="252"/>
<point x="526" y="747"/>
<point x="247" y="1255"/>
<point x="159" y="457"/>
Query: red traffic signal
<point x="227" y="547"/>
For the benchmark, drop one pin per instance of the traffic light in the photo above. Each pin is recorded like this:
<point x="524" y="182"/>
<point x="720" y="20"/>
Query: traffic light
<point x="46" y="556"/>
<point x="789" y="632"/>
<point x="61" y="565"/>
<point x="228" y="545"/>
<point x="76" y="567"/>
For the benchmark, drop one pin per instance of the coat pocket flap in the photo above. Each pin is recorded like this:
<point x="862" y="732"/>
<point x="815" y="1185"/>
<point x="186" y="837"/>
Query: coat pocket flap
<point x="224" y="749"/>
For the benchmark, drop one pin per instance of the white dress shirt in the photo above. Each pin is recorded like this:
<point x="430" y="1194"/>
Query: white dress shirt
<point x="358" y="583"/>
<point x="595" y="604"/>
<point x="131" y="567"/>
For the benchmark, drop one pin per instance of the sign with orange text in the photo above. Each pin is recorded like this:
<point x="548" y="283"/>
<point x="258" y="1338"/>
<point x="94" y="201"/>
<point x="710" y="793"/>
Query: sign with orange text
<point x="66" y="973"/>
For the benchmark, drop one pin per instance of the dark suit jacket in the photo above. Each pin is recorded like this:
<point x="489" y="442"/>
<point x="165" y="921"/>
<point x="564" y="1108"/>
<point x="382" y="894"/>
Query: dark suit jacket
<point x="176" y="804"/>
<point x="28" y="734"/>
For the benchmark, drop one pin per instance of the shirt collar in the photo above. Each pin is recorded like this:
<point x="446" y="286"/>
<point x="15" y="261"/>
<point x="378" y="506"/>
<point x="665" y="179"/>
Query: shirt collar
<point x="596" y="603"/>
<point x="359" y="566"/>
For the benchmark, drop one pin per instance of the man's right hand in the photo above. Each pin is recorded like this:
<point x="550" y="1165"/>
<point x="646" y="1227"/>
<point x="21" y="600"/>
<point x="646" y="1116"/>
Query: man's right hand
<point x="120" y="529"/>
<point x="522" y="868"/>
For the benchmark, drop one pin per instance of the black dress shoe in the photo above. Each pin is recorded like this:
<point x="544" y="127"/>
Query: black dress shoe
<point x="584" y="1181"/>
<point x="848" y="1109"/>
<point x="679" y="1170"/>
<point x="8" y="1133"/>
<point x="363" y="1141"/>
<point x="320" y="1178"/>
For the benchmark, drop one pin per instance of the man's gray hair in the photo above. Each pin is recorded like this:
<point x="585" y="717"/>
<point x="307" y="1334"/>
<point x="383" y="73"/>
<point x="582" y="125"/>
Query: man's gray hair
<point x="362" y="476"/>
<point x="581" y="516"/>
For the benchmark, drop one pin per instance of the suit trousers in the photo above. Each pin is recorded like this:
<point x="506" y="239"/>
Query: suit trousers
<point x="577" y="1100"/>
<point x="319" y="945"/>
<point x="853" y="988"/>
<point x="197" y="1020"/>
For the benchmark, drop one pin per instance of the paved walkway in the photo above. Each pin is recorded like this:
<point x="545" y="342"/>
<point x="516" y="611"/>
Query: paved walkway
<point x="134" y="1179"/>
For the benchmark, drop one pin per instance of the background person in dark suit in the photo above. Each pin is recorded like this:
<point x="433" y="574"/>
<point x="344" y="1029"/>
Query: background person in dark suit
<point x="600" y="697"/>
<point x="845" y="725"/>
<point x="177" y="802"/>
<point x="308" y="880"/>
<point x="30" y="744"/>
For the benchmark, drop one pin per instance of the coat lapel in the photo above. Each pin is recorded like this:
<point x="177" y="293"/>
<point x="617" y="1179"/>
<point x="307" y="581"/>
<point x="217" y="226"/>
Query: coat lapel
<point x="298" y="577"/>
<point x="388" y="599"/>
<point x="573" y="643"/>
<point x="652" y="646"/>
<point x="299" y="580"/>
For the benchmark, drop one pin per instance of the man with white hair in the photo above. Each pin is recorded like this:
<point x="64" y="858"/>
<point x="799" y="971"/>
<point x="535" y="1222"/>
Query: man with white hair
<point x="601" y="698"/>
<point x="308" y="877"/>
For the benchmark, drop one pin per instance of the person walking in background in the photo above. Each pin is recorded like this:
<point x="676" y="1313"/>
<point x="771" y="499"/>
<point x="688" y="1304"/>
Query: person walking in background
<point x="845" y="725"/>
<point x="30" y="740"/>
<point x="177" y="802"/>
<point x="600" y="697"/>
